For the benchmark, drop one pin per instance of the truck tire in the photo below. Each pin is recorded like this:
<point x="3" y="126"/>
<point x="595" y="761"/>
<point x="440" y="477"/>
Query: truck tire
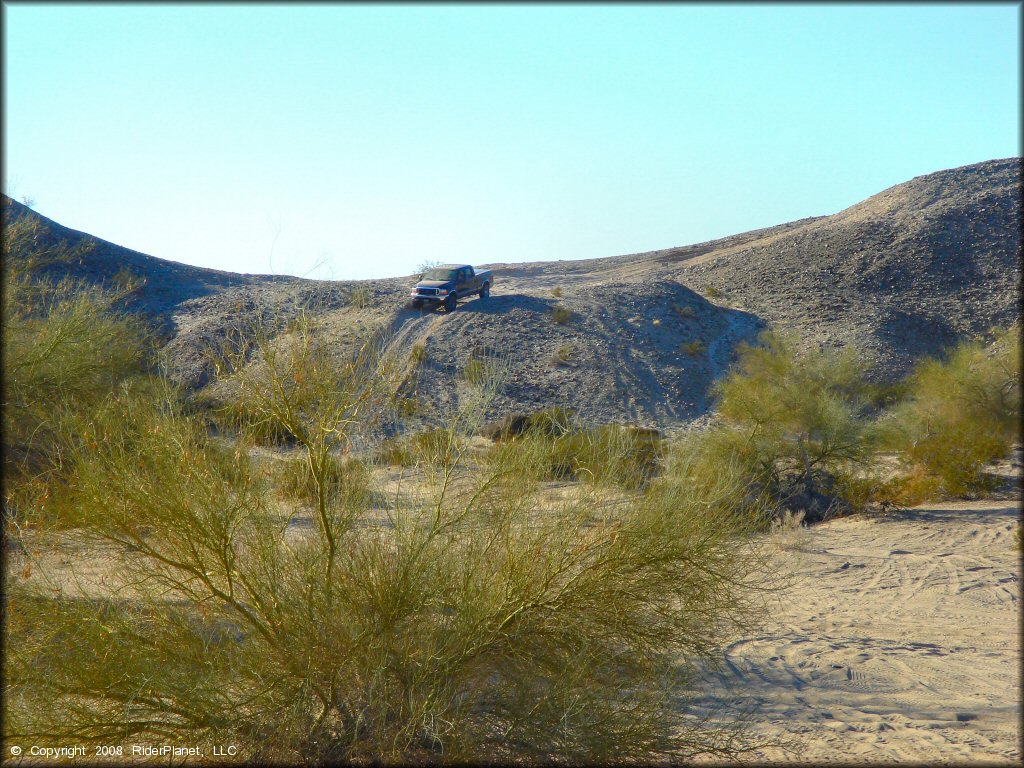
<point x="485" y="291"/>
<point x="450" y="302"/>
<point x="417" y="303"/>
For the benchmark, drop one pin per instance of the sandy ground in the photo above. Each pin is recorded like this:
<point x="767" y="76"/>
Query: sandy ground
<point x="899" y="641"/>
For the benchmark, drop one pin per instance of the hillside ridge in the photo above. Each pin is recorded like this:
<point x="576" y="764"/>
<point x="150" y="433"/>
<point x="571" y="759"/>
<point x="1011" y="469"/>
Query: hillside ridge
<point x="903" y="273"/>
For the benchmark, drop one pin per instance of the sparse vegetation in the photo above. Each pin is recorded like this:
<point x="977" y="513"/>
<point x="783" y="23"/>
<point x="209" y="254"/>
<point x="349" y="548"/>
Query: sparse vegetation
<point x="475" y="370"/>
<point x="556" y="292"/>
<point x="554" y="447"/>
<point x="561" y="315"/>
<point x="345" y="481"/>
<point x="66" y="346"/>
<point x="438" y="447"/>
<point x="712" y="292"/>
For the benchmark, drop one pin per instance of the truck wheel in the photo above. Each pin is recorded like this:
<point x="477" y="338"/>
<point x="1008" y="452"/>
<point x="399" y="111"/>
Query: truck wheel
<point x="450" y="302"/>
<point x="485" y="291"/>
<point x="417" y="303"/>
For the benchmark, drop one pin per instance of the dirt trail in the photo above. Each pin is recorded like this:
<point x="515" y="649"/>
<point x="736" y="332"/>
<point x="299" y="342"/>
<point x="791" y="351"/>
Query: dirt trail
<point x="899" y="641"/>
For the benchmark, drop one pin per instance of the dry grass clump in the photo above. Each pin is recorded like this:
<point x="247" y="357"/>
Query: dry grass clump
<point x="563" y="356"/>
<point x="359" y="297"/>
<point x="418" y="354"/>
<point x="346" y="480"/>
<point x="475" y="370"/>
<point x="432" y="447"/>
<point x="558" y="449"/>
<point x="561" y="315"/>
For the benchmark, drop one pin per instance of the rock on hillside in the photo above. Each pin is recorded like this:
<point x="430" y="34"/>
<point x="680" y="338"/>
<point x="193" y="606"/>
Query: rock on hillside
<point x="906" y="272"/>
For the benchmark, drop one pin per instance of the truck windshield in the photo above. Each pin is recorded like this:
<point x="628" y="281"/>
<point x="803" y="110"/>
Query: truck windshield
<point x="441" y="274"/>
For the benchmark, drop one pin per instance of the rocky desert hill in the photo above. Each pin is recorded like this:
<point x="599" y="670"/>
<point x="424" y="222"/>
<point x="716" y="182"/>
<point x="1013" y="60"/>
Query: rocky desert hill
<point x="906" y="272"/>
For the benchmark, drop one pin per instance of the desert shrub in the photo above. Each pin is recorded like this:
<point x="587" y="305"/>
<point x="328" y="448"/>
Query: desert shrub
<point x="556" y="292"/>
<point x="712" y="292"/>
<point x="561" y="315"/>
<point x="693" y="348"/>
<point x="66" y="346"/>
<point x="790" y="424"/>
<point x="552" y="421"/>
<point x="959" y="413"/>
<point x="909" y="487"/>
<point x="478" y="623"/>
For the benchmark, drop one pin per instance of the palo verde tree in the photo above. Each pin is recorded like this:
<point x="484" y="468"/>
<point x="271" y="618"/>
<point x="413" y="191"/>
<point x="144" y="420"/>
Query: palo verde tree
<point x="790" y="425"/>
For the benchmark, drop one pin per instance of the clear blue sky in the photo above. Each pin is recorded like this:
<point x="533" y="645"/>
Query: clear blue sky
<point x="355" y="141"/>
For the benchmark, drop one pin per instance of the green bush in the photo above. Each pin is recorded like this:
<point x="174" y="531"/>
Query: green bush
<point x="791" y="425"/>
<point x="712" y="292"/>
<point x="959" y="414"/>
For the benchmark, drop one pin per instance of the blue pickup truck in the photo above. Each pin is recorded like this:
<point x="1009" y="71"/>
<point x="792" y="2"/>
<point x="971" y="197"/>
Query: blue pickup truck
<point x="448" y="283"/>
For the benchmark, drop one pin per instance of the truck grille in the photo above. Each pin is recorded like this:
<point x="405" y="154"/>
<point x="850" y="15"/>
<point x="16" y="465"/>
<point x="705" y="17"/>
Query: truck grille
<point x="427" y="291"/>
